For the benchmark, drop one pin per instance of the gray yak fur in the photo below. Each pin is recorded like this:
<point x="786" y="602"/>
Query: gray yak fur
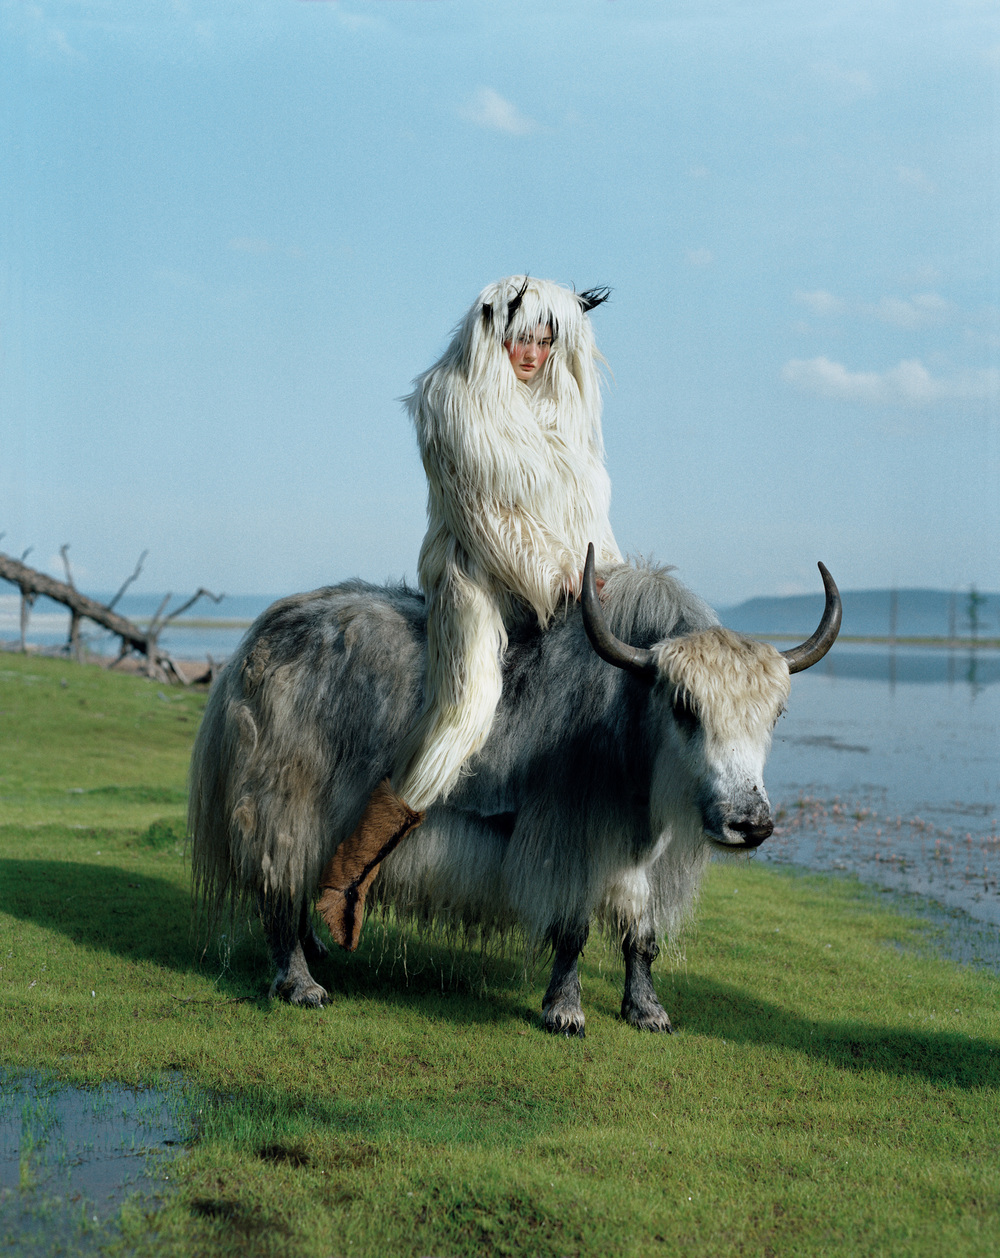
<point x="596" y="797"/>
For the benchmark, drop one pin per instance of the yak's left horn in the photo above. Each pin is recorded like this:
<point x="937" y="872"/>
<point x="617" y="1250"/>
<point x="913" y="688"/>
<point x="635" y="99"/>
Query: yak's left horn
<point x="633" y="659"/>
<point x="814" y="648"/>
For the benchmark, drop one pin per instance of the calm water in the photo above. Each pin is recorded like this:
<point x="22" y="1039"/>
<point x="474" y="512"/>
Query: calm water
<point x="69" y="1158"/>
<point x="887" y="765"/>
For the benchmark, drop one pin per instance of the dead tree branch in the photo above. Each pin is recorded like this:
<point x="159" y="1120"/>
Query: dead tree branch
<point x="128" y="580"/>
<point x="133" y="638"/>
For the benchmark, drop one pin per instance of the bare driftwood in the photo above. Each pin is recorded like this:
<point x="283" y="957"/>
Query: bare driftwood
<point x="134" y="638"/>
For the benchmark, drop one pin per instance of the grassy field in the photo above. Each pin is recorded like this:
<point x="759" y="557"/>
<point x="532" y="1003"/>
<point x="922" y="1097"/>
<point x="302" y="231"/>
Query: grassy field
<point x="832" y="1088"/>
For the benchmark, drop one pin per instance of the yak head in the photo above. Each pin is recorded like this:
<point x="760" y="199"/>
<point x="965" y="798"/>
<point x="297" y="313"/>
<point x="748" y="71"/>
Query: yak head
<point x="717" y="696"/>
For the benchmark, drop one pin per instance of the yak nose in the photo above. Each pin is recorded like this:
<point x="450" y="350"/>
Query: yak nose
<point x="754" y="832"/>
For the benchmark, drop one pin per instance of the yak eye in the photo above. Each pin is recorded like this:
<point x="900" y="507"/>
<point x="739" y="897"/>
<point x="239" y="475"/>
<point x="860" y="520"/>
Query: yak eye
<point x="685" y="716"/>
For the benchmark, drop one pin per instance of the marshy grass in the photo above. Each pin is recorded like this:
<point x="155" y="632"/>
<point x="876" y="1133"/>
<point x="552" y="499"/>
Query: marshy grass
<point x="832" y="1086"/>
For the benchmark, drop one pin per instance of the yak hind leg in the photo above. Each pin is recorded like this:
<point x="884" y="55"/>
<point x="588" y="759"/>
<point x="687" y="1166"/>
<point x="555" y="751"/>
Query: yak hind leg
<point x="561" y="1007"/>
<point x="289" y="935"/>
<point x="640" y="1006"/>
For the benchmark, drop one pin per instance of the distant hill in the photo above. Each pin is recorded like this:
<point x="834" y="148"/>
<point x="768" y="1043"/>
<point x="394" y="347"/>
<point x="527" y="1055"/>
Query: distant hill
<point x="919" y="614"/>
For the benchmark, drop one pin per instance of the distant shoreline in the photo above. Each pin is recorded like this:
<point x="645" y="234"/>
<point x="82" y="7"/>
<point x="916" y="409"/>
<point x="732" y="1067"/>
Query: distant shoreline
<point x="935" y="643"/>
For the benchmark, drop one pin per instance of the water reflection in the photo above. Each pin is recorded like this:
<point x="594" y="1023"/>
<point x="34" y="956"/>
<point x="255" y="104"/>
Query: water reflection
<point x="911" y="665"/>
<point x="887" y="765"/>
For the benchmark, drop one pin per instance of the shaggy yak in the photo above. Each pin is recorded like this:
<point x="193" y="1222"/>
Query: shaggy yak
<point x="600" y="794"/>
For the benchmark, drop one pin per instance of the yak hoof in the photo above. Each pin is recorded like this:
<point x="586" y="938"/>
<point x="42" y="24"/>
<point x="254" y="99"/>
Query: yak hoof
<point x="565" y="1020"/>
<point x="649" y="1016"/>
<point x="308" y="994"/>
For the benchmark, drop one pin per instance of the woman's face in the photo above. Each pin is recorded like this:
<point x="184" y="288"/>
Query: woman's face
<point x="528" y="352"/>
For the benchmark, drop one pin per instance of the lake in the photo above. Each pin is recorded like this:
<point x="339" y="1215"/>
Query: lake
<point x="887" y="765"/>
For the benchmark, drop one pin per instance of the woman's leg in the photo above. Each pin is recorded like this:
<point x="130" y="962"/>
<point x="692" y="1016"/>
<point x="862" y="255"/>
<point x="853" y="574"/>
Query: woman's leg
<point x="465" y="639"/>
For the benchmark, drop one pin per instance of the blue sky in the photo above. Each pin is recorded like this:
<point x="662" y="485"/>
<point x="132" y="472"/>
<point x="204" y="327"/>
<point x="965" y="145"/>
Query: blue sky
<point x="232" y="232"/>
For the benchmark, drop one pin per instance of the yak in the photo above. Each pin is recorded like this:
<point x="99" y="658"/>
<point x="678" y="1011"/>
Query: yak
<point x="629" y="744"/>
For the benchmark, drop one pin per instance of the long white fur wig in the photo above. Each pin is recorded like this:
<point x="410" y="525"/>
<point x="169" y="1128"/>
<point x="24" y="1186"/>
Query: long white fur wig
<point x="515" y="470"/>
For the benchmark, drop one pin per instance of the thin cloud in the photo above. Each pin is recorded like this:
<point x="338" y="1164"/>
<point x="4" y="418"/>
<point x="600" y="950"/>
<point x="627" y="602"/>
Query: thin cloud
<point x="821" y="302"/>
<point x="919" y="311"/>
<point x="487" y="108"/>
<point x="908" y="384"/>
<point x="847" y="85"/>
<point x="914" y="177"/>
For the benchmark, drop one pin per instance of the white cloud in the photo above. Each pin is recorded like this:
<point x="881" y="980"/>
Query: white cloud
<point x="487" y="108"/>
<point x="821" y="302"/>
<point x="700" y="257"/>
<point x="909" y="383"/>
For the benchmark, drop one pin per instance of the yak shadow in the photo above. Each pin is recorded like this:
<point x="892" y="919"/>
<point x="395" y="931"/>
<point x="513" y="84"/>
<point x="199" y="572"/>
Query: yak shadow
<point x="719" y="1010"/>
<point x="132" y="915"/>
<point x="144" y="918"/>
<point x="140" y="917"/>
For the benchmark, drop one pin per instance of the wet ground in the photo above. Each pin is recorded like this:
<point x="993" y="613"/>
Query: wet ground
<point x="70" y="1157"/>
<point x="887" y="766"/>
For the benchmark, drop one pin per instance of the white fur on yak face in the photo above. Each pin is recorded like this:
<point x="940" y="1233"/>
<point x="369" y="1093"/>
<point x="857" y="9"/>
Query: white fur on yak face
<point x="725" y="693"/>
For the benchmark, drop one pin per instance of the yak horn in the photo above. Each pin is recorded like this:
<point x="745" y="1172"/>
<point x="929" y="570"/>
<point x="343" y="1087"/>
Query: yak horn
<point x="814" y="648"/>
<point x="636" y="660"/>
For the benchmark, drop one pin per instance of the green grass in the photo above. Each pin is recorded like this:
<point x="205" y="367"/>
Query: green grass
<point x="832" y="1087"/>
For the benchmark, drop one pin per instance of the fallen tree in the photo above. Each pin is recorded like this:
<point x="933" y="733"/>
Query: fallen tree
<point x="134" y="639"/>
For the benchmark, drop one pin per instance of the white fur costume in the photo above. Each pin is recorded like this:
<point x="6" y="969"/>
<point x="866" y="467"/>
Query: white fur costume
<point x="517" y="489"/>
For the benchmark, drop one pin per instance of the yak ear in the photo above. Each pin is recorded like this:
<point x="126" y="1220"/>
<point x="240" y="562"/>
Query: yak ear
<point x="487" y="312"/>
<point x="591" y="297"/>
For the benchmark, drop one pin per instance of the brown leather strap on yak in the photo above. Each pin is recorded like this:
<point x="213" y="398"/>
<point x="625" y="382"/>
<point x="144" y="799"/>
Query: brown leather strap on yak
<point x="386" y="821"/>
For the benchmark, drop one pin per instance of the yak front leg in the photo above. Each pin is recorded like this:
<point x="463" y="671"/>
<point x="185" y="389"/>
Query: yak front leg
<point x="313" y="948"/>
<point x="640" y="1006"/>
<point x="289" y="934"/>
<point x="561" y="1007"/>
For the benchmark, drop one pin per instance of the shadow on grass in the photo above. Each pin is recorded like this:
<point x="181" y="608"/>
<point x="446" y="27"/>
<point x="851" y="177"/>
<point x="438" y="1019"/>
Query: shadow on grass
<point x="103" y="907"/>
<point x="707" y="1007"/>
<point x="143" y="918"/>
<point x="140" y="917"/>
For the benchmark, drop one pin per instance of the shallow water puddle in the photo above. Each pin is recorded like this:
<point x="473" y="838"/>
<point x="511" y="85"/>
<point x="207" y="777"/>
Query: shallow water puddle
<point x="70" y="1157"/>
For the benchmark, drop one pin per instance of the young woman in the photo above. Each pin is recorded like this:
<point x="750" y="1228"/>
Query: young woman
<point x="509" y="426"/>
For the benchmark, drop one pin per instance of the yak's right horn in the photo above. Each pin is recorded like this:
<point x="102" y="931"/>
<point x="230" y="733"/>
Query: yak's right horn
<point x="634" y="659"/>
<point x="814" y="648"/>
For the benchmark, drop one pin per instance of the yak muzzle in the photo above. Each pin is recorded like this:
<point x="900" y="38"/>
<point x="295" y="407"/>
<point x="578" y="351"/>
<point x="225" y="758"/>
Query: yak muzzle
<point x="747" y="834"/>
